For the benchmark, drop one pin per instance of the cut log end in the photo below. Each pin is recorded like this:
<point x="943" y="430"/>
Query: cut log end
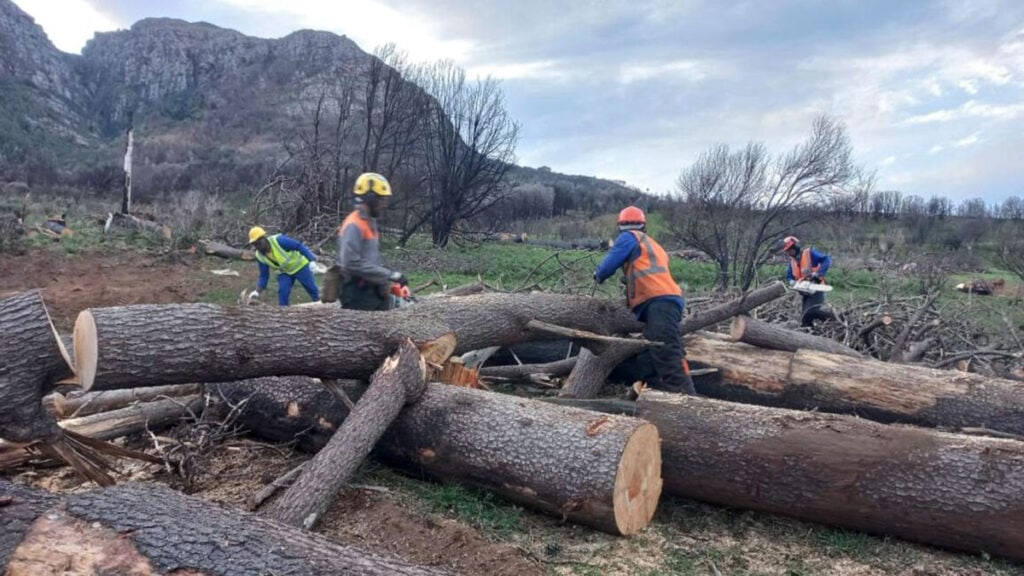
<point x="438" y="350"/>
<point x="739" y="325"/>
<point x="86" y="351"/>
<point x="638" y="481"/>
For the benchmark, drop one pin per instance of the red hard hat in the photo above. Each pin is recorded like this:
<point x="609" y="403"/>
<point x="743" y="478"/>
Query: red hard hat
<point x="789" y="242"/>
<point x="632" y="215"/>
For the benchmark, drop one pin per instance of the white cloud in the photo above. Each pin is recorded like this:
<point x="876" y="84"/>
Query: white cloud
<point x="968" y="141"/>
<point x="539" y="70"/>
<point x="970" y="109"/>
<point x="685" y="70"/>
<point x="888" y="161"/>
<point x="69" y="23"/>
<point x="936" y="149"/>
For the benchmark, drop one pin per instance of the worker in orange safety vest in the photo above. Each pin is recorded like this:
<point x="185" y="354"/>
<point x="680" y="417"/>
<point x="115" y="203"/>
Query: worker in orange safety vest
<point x="810" y="265"/>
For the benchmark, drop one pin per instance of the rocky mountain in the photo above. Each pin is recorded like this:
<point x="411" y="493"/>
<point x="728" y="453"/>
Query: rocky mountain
<point x="212" y="109"/>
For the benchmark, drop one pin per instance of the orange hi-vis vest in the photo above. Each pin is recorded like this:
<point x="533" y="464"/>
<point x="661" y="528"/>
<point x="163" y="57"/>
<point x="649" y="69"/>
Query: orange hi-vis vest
<point x="356" y="218"/>
<point x="798" y="267"/>
<point x="647" y="275"/>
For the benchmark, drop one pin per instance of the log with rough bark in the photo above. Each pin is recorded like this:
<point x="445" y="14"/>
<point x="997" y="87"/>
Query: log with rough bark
<point x="117" y="220"/>
<point x="598" y="470"/>
<point x="214" y="248"/>
<point x="741" y="305"/>
<point x="150" y="345"/>
<point x="400" y="380"/>
<point x="949" y="490"/>
<point x="147" y="530"/>
<point x="757" y="333"/>
<point x="86" y="403"/>
<point x="33" y="360"/>
<point x="523" y="371"/>
<point x="811" y="380"/>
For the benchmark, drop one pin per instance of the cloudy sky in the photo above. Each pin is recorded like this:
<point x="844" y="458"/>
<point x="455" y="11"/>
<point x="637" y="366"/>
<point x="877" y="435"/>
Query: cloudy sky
<point x="932" y="91"/>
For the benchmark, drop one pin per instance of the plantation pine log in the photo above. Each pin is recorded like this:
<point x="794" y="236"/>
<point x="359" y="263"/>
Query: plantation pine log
<point x="761" y="334"/>
<point x="150" y="345"/>
<point x="33" y="361"/>
<point x="881" y="391"/>
<point x="593" y="469"/>
<point x="955" y="491"/>
<point x="399" y="380"/>
<point x="148" y="529"/>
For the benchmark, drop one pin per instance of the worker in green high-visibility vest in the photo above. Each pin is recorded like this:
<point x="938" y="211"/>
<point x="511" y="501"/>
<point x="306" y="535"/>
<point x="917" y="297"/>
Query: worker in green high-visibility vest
<point x="290" y="258"/>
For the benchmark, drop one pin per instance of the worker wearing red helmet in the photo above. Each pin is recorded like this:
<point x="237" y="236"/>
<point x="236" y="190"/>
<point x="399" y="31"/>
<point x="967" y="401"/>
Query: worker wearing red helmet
<point x="811" y="265"/>
<point x="653" y="296"/>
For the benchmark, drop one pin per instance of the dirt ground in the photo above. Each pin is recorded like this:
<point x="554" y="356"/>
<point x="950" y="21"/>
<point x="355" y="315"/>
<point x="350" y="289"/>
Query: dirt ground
<point x="384" y="515"/>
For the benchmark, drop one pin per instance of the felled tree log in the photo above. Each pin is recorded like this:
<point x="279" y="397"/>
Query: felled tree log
<point x="148" y="529"/>
<point x="954" y="491"/>
<point x="756" y="333"/>
<point x="401" y="379"/>
<point x="881" y="391"/>
<point x="84" y="404"/>
<point x="129" y="222"/>
<point x="150" y="345"/>
<point x="214" y="248"/>
<point x="557" y="368"/>
<point x="594" y="469"/>
<point x="741" y="305"/>
<point x="33" y="360"/>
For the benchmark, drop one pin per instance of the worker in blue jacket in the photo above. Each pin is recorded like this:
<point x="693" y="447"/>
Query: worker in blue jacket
<point x="810" y="265"/>
<point x="292" y="260"/>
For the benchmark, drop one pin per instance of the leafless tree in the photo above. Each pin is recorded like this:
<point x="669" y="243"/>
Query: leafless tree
<point x="469" y="149"/>
<point x="737" y="204"/>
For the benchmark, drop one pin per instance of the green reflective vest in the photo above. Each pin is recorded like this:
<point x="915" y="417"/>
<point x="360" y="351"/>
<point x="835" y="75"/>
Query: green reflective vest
<point x="286" y="261"/>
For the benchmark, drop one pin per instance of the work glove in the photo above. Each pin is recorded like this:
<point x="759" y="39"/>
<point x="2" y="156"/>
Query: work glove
<point x="317" y="267"/>
<point x="254" y="294"/>
<point x="596" y="279"/>
<point x="806" y="272"/>
<point x="815" y="278"/>
<point x="398" y="278"/>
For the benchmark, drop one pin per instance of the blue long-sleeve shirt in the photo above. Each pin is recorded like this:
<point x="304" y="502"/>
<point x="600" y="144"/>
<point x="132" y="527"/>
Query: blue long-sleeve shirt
<point x="822" y="261"/>
<point x="625" y="249"/>
<point x="289" y="244"/>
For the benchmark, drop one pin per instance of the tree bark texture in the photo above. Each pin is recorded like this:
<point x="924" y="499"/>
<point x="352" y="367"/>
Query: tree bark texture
<point x="129" y="222"/>
<point x="399" y="380"/>
<point x="591" y="371"/>
<point x="85" y="403"/>
<point x="881" y="391"/>
<point x="32" y="360"/>
<point x="214" y="248"/>
<point x="764" y="335"/>
<point x="594" y="469"/>
<point x="147" y="529"/>
<point x="150" y="345"/>
<point x="523" y="371"/>
<point x="949" y="490"/>
<point x="741" y="305"/>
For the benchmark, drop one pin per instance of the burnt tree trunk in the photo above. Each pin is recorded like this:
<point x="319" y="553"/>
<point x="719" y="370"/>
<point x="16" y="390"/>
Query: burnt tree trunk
<point x="954" y="491"/>
<point x="401" y="379"/>
<point x="147" y="529"/>
<point x="756" y="333"/>
<point x="594" y="469"/>
<point x="149" y="345"/>
<point x="881" y="391"/>
<point x="33" y="360"/>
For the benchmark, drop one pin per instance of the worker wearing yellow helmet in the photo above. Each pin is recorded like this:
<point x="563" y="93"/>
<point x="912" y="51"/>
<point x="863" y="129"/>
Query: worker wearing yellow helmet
<point x="365" y="282"/>
<point x="290" y="258"/>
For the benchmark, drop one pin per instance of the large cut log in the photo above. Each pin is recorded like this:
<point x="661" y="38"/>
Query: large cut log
<point x="147" y="530"/>
<point x="594" y="469"/>
<point x="401" y="379"/>
<point x="881" y="391"/>
<point x="954" y="491"/>
<point x="757" y="333"/>
<point x="33" y="360"/>
<point x="150" y="345"/>
<point x="117" y="220"/>
<point x="214" y="248"/>
<point x="84" y="404"/>
<point x="592" y="370"/>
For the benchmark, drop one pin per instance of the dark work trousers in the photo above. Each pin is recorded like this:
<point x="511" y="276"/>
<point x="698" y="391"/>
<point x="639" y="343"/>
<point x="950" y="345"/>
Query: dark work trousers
<point x="814" y="308"/>
<point x="665" y="363"/>
<point x="359" y="295"/>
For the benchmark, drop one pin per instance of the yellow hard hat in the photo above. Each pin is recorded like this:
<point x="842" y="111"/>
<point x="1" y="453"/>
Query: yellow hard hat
<point x="255" y="233"/>
<point x="372" y="182"/>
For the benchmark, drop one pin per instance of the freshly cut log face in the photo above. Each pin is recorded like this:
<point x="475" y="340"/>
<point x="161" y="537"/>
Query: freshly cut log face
<point x="949" y="490"/>
<point x="149" y="345"/>
<point x="595" y="469"/>
<point x="149" y="530"/>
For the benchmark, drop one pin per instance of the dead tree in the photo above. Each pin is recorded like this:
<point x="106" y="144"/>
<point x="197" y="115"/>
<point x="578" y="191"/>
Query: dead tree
<point x="148" y="529"/>
<point x="948" y="490"/>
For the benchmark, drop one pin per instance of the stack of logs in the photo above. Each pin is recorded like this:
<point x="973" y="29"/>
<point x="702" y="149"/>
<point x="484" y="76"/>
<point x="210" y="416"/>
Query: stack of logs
<point x="790" y="423"/>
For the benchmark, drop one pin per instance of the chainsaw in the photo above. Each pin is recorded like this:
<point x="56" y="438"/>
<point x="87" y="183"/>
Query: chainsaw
<point x="808" y="287"/>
